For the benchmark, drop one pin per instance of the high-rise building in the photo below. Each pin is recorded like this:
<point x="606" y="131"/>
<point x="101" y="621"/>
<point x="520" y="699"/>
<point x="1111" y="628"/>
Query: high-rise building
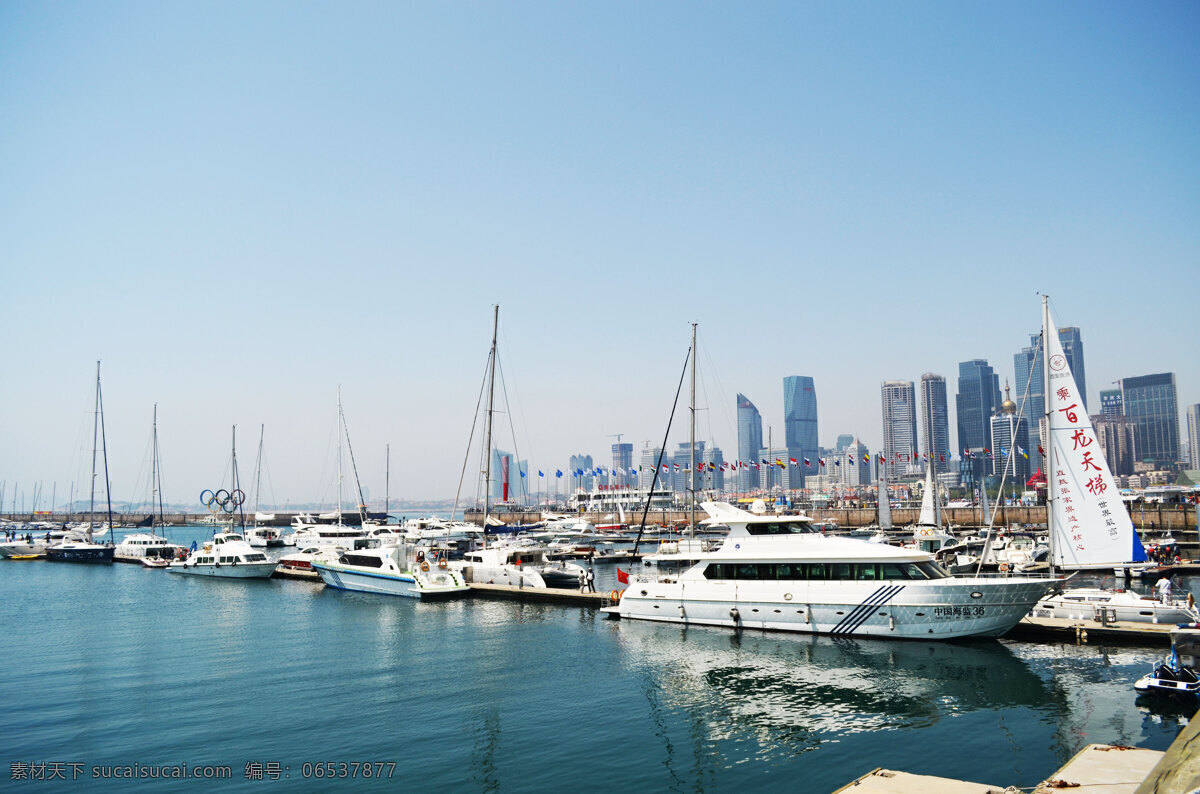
<point x="1150" y="402"/>
<point x="1193" y="434"/>
<point x="1010" y="450"/>
<point x="935" y="421"/>
<point x="800" y="420"/>
<point x="649" y="469"/>
<point x="854" y="468"/>
<point x="1028" y="367"/>
<point x="580" y="475"/>
<point x="1118" y="440"/>
<point x="977" y="400"/>
<point x="1110" y="403"/>
<point x="507" y="470"/>
<point x="750" y="438"/>
<point x="843" y="441"/>
<point x="622" y="457"/>
<point x="899" y="426"/>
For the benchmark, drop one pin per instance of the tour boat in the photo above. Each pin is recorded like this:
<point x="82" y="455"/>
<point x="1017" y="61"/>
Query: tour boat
<point x="403" y="570"/>
<point x="228" y="556"/>
<point x="780" y="573"/>
<point x="80" y="551"/>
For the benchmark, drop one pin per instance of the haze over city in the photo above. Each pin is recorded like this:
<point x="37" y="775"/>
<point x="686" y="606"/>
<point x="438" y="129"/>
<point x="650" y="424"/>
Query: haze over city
<point x="240" y="207"/>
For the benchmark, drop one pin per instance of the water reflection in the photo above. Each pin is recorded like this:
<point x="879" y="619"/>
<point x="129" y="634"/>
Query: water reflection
<point x="789" y="694"/>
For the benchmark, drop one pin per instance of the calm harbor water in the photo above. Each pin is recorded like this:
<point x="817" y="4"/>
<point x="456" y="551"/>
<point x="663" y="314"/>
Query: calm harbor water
<point x="119" y="665"/>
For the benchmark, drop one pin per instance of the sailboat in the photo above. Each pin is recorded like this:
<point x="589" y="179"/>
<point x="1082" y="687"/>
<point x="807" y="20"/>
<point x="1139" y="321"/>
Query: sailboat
<point x="87" y="550"/>
<point x="149" y="548"/>
<point x="1089" y="525"/>
<point x="257" y="535"/>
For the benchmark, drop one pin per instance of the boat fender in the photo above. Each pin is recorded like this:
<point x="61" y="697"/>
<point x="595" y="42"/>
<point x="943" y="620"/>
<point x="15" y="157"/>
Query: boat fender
<point x="442" y="564"/>
<point x="234" y="561"/>
<point x="424" y="566"/>
<point x="217" y="564"/>
<point x="733" y="613"/>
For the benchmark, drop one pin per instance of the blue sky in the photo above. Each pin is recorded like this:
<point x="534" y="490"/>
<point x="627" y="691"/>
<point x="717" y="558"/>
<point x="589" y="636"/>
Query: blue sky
<point x="239" y="206"/>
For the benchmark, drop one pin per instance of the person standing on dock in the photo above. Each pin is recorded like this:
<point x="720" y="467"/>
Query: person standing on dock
<point x="1163" y="586"/>
<point x="589" y="585"/>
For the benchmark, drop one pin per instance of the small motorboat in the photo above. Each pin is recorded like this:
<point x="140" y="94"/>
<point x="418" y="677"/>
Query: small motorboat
<point x="155" y="562"/>
<point x="1176" y="674"/>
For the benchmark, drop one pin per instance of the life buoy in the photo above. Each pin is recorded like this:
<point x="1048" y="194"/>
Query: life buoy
<point x="1003" y="567"/>
<point x="615" y="595"/>
<point x="424" y="565"/>
<point x="442" y="564"/>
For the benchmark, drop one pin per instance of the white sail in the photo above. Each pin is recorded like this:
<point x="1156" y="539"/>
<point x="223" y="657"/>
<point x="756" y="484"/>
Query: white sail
<point x="1091" y="526"/>
<point x="928" y="516"/>
<point x="885" y="506"/>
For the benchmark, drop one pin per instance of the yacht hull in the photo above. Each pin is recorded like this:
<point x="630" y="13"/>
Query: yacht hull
<point x="437" y="583"/>
<point x="242" y="570"/>
<point x="98" y="554"/>
<point x="898" y="609"/>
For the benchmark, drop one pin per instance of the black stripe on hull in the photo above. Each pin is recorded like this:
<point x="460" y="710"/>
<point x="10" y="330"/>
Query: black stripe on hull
<point x="860" y="613"/>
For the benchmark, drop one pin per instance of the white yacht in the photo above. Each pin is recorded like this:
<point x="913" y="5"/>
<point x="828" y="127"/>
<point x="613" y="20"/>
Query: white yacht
<point x="780" y="573"/>
<point x="138" y="546"/>
<point x="227" y="555"/>
<point x="402" y="570"/>
<point x="264" y="537"/>
<point x="1090" y="603"/>
<point x="327" y="535"/>
<point x="519" y="566"/>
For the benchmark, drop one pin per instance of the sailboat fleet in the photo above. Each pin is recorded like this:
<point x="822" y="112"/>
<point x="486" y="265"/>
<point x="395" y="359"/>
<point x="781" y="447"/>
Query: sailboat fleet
<point x="768" y="570"/>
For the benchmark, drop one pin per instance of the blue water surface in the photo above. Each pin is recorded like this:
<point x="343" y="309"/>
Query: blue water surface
<point x="120" y="665"/>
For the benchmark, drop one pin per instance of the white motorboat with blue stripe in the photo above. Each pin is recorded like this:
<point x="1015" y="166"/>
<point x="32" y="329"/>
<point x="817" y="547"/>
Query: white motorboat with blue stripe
<point x="777" y="572"/>
<point x="403" y="570"/>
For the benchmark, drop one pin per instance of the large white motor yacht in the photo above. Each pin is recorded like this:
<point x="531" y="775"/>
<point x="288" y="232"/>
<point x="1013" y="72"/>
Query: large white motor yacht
<point x="777" y="572"/>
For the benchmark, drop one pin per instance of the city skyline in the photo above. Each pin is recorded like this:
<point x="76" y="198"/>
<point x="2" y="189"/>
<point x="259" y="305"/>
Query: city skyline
<point x="235" y="226"/>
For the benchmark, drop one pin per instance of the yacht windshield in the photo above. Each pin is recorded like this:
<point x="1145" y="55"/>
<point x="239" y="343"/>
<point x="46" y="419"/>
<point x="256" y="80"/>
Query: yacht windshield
<point x="779" y="528"/>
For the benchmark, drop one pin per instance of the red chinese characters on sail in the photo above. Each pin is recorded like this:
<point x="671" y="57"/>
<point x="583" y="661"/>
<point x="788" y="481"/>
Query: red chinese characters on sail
<point x="1074" y="530"/>
<point x="1081" y="439"/>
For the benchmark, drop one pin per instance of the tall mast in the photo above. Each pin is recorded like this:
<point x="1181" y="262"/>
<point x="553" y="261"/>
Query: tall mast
<point x="104" y="451"/>
<point x="237" y="486"/>
<point x="387" y="479"/>
<point x="341" y="427"/>
<point x="95" y="437"/>
<point x="154" y="500"/>
<point x="262" y="429"/>
<point x="1051" y="488"/>
<point x="692" y="439"/>
<point x="487" y="477"/>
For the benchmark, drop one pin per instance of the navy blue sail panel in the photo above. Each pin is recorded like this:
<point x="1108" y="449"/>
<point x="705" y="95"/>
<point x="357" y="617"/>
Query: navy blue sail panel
<point x="860" y="613"/>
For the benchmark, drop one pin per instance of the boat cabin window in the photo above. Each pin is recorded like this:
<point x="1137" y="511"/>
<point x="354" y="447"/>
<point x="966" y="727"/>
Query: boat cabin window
<point x="778" y="528"/>
<point x="254" y="557"/>
<point x="823" y="571"/>
<point x="362" y="560"/>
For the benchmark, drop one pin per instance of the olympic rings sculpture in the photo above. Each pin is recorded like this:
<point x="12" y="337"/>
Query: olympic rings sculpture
<point x="222" y="499"/>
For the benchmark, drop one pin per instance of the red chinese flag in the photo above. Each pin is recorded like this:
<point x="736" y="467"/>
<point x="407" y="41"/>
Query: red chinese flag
<point x="622" y="576"/>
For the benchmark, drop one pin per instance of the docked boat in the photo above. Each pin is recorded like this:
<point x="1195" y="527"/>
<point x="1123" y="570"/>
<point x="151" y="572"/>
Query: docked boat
<point x="74" y="549"/>
<point x="780" y="573"/>
<point x="1093" y="603"/>
<point x="264" y="537"/>
<point x="80" y="551"/>
<point x="519" y="566"/>
<point x="298" y="564"/>
<point x="228" y="556"/>
<point x="402" y="570"/>
<point x="1176" y="674"/>
<point x="140" y="546"/>
<point x="155" y="562"/>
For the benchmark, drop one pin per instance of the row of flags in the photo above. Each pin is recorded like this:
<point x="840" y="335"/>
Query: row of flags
<point x="764" y="462"/>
